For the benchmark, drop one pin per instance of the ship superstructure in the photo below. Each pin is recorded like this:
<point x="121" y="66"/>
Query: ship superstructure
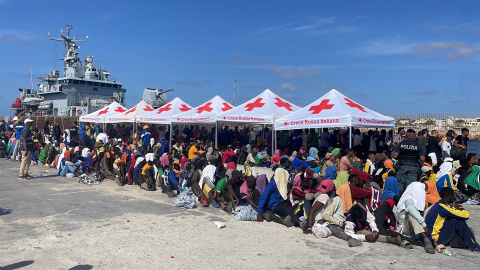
<point x="82" y="89"/>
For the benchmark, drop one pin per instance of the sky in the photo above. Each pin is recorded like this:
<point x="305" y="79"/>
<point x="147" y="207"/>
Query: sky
<point x="390" y="56"/>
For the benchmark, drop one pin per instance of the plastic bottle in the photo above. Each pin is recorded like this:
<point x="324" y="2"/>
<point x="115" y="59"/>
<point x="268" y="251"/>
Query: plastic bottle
<point x="448" y="253"/>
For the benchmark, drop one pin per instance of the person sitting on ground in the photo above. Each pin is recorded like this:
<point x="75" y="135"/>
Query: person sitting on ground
<point x="232" y="191"/>
<point x="447" y="223"/>
<point x="67" y="164"/>
<point x="345" y="164"/>
<point x="328" y="161"/>
<point x="249" y="193"/>
<point x="193" y="177"/>
<point x="327" y="207"/>
<point x="409" y="213"/>
<point x="273" y="201"/>
<point x="356" y="190"/>
<point x="148" y="176"/>
<point x="431" y="196"/>
<point x="472" y="181"/>
<point x="137" y="171"/>
<point x="174" y="181"/>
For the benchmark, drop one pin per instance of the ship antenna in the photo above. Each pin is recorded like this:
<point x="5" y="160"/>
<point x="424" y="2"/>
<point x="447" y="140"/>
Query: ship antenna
<point x="31" y="73"/>
<point x="234" y="91"/>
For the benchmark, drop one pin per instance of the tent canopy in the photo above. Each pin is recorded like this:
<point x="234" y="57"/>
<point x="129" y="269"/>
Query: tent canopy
<point x="262" y="109"/>
<point x="130" y="115"/>
<point x="100" y="115"/>
<point x="333" y="110"/>
<point x="206" y="113"/>
<point x="164" y="114"/>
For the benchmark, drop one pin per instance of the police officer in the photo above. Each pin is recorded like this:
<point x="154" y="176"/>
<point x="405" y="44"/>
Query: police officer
<point x="408" y="153"/>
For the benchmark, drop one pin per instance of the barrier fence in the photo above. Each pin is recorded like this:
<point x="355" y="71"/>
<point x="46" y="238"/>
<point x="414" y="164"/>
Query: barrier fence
<point x="442" y="122"/>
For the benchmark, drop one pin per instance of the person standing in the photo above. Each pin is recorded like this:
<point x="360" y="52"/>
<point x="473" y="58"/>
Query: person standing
<point x="26" y="147"/>
<point x="57" y="132"/>
<point x="408" y="152"/>
<point x="399" y="136"/>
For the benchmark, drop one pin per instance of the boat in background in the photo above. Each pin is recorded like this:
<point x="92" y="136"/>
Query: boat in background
<point x="83" y="88"/>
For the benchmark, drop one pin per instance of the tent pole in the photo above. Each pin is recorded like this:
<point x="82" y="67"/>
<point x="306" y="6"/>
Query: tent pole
<point x="216" y="133"/>
<point x="171" y="134"/>
<point x="273" y="139"/>
<point x="351" y="132"/>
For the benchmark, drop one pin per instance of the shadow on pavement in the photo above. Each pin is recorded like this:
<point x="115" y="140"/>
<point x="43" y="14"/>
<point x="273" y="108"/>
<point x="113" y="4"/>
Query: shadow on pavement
<point x="17" y="265"/>
<point x="82" y="267"/>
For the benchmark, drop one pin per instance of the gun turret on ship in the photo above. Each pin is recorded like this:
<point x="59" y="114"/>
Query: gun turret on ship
<point x="82" y="89"/>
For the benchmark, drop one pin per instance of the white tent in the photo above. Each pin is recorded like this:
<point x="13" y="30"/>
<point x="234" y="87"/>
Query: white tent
<point x="262" y="109"/>
<point x="164" y="114"/>
<point x="333" y="110"/>
<point x="206" y="113"/>
<point x="130" y="115"/>
<point x="100" y="115"/>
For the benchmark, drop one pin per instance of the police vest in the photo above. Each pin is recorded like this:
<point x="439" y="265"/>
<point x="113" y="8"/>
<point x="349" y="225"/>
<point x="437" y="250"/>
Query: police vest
<point x="409" y="152"/>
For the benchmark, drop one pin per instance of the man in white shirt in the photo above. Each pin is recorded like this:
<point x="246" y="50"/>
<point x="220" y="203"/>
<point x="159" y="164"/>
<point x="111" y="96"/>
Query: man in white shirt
<point x="447" y="145"/>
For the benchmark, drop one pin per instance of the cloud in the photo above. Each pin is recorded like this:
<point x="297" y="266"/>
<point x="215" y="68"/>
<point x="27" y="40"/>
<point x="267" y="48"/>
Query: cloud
<point x="455" y="49"/>
<point x="294" y="73"/>
<point x="108" y="16"/>
<point x="427" y="92"/>
<point x="413" y="102"/>
<point x="460" y="101"/>
<point x="286" y="87"/>
<point x="12" y="38"/>
<point x="255" y="86"/>
<point x="386" y="46"/>
<point x="188" y="83"/>
<point x="240" y="54"/>
<point x="320" y="85"/>
<point x="233" y="63"/>
<point x="312" y="25"/>
<point x="314" y="22"/>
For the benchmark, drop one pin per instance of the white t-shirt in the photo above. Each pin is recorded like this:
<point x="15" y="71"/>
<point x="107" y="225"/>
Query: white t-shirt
<point x="446" y="146"/>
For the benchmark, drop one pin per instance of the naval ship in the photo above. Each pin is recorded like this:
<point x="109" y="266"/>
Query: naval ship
<point x="83" y="88"/>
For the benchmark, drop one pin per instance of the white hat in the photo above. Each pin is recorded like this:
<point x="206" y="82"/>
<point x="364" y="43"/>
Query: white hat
<point x="15" y="118"/>
<point x="426" y="169"/>
<point x="28" y="120"/>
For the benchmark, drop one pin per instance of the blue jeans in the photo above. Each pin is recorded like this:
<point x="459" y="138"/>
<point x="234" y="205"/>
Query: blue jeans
<point x="405" y="176"/>
<point x="68" y="169"/>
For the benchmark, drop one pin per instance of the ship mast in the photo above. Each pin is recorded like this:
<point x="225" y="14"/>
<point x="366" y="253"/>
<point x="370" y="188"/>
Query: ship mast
<point x="71" y="59"/>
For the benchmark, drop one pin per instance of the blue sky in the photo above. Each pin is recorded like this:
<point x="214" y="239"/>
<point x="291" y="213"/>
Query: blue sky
<point x="390" y="56"/>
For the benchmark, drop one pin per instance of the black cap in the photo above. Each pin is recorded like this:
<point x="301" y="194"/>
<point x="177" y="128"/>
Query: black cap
<point x="237" y="174"/>
<point x="449" y="134"/>
<point x="410" y="130"/>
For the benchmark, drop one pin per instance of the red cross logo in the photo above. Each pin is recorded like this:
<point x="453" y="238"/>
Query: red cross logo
<point x="131" y="110"/>
<point x="165" y="108"/>
<point x="322" y="106"/>
<point x="103" y="112"/>
<point x="285" y="105"/>
<point x="257" y="104"/>
<point x="224" y="118"/>
<point x="120" y="109"/>
<point x="360" y="120"/>
<point x="226" y="107"/>
<point x="148" y="108"/>
<point x="184" y="108"/>
<point x="205" y="108"/>
<point x="354" y="105"/>
<point x="286" y="123"/>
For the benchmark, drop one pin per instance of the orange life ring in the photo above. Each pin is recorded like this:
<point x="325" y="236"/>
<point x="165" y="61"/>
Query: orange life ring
<point x="79" y="111"/>
<point x="55" y="87"/>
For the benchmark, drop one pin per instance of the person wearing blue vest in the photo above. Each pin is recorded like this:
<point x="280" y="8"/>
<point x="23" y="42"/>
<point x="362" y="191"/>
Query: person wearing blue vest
<point x="146" y="135"/>
<point x="18" y="137"/>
